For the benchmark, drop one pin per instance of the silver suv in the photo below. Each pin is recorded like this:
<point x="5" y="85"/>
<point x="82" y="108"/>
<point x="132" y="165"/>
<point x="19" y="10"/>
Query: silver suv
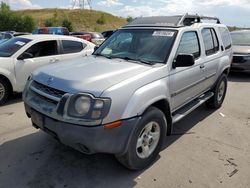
<point x="125" y="98"/>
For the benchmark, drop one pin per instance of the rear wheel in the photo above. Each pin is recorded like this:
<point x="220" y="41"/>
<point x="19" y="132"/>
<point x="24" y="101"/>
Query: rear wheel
<point x="146" y="141"/>
<point x="4" y="91"/>
<point x="219" y="93"/>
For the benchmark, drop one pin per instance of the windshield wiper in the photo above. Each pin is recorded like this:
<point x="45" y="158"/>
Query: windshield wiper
<point x="140" y="60"/>
<point x="107" y="56"/>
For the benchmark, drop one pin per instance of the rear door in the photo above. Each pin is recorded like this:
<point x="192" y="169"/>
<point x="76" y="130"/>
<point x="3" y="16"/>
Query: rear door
<point x="187" y="82"/>
<point x="213" y="55"/>
<point x="38" y="55"/>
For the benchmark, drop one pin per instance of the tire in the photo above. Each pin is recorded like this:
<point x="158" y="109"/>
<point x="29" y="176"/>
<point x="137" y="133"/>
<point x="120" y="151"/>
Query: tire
<point x="219" y="93"/>
<point x="143" y="148"/>
<point x="4" y="91"/>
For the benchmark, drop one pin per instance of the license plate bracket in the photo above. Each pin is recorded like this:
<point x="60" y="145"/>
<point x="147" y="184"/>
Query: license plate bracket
<point x="37" y="119"/>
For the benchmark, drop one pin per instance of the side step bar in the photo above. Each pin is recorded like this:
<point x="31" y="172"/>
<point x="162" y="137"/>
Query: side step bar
<point x="187" y="109"/>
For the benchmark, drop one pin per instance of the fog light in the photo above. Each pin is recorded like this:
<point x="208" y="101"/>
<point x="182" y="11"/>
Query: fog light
<point x="96" y="114"/>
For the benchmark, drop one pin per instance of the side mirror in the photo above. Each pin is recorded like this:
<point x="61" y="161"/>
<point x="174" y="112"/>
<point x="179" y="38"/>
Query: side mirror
<point x="96" y="47"/>
<point x="183" y="60"/>
<point x="25" y="55"/>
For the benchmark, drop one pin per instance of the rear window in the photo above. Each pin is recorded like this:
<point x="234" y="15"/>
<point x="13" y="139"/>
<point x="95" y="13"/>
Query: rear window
<point x="226" y="38"/>
<point x="72" y="46"/>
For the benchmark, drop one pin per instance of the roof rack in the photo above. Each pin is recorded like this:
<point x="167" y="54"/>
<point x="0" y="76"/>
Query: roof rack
<point x="188" y="20"/>
<point x="169" y="21"/>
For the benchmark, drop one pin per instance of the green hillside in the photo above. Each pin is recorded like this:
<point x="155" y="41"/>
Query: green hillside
<point x="82" y="20"/>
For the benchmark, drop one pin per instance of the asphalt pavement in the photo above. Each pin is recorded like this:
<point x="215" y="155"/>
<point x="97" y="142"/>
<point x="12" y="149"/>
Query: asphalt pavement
<point x="209" y="148"/>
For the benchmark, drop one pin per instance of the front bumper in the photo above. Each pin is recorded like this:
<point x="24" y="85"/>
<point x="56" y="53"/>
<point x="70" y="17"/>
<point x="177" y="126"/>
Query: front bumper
<point x="88" y="140"/>
<point x="240" y="63"/>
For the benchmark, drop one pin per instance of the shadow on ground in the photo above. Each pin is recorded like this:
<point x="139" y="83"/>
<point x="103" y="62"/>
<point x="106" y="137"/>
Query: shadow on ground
<point x="37" y="160"/>
<point x="239" y="77"/>
<point x="15" y="98"/>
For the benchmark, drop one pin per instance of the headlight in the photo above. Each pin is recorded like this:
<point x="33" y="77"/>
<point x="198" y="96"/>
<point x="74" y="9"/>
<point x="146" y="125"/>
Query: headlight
<point x="85" y="106"/>
<point x="82" y="105"/>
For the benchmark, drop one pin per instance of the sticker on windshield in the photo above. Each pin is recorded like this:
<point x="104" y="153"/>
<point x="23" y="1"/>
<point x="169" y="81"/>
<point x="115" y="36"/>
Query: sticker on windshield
<point x="20" y="43"/>
<point x="163" y="34"/>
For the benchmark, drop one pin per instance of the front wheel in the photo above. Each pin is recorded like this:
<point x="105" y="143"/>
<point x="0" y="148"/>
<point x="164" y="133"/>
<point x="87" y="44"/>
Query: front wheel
<point x="146" y="141"/>
<point x="219" y="93"/>
<point x="4" y="91"/>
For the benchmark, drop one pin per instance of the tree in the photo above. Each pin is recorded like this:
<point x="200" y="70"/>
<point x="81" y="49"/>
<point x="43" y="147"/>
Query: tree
<point x="52" y="22"/>
<point x="129" y="19"/>
<point x="68" y="24"/>
<point x="49" y="23"/>
<point x="11" y="21"/>
<point x="102" y="20"/>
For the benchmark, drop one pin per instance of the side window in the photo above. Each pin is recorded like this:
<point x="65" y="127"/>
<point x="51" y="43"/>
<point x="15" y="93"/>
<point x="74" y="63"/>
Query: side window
<point x="210" y="41"/>
<point x="189" y="44"/>
<point x="226" y="39"/>
<point x="215" y="40"/>
<point x="42" y="49"/>
<point x="72" y="46"/>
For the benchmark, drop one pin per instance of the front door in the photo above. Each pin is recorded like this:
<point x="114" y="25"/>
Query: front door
<point x="38" y="55"/>
<point x="187" y="82"/>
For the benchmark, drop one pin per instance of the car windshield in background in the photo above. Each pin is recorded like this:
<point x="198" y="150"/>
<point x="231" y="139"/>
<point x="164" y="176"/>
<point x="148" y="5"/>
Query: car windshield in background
<point x="10" y="47"/>
<point x="144" y="45"/>
<point x="241" y="38"/>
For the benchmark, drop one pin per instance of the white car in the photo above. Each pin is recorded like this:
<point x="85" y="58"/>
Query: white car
<point x="20" y="56"/>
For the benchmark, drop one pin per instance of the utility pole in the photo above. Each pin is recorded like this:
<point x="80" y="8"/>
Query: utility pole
<point x="81" y="4"/>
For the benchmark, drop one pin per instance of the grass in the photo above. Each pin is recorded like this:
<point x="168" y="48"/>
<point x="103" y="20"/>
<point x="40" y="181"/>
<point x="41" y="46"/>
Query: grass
<point x="82" y="20"/>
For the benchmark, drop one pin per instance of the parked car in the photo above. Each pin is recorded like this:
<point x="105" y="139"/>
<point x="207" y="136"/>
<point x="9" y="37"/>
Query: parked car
<point x="241" y="50"/>
<point x="108" y="33"/>
<point x="20" y="56"/>
<point x="51" y="30"/>
<point x="93" y="37"/>
<point x="125" y="98"/>
<point x="4" y="36"/>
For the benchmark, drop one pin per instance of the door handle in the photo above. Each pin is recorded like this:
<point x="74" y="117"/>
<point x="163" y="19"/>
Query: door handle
<point x="54" y="60"/>
<point x="202" y="66"/>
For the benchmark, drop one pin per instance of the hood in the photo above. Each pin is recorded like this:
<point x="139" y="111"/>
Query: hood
<point x="89" y="74"/>
<point x="241" y="49"/>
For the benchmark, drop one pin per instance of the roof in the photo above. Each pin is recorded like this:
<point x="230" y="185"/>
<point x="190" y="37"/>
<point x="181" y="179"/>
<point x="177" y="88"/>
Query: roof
<point x="169" y="21"/>
<point x="46" y="37"/>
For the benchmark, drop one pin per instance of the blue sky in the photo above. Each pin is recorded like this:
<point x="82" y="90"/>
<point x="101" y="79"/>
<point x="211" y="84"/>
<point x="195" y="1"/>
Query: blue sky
<point x="231" y="12"/>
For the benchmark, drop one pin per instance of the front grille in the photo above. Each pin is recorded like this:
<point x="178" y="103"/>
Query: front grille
<point x="47" y="90"/>
<point x="238" y="59"/>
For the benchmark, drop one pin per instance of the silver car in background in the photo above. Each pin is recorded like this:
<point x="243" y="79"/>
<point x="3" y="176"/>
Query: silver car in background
<point x="241" y="50"/>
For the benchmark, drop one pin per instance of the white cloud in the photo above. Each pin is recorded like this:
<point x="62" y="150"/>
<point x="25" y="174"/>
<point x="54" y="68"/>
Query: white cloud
<point x="170" y="7"/>
<point x="110" y="3"/>
<point x="22" y="4"/>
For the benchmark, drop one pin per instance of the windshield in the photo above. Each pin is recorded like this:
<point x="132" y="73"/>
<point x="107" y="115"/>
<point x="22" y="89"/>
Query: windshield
<point x="11" y="46"/>
<point x="144" y="45"/>
<point x="241" y="38"/>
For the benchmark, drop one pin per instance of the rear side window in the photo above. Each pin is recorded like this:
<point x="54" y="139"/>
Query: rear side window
<point x="72" y="46"/>
<point x="226" y="39"/>
<point x="210" y="41"/>
<point x="189" y="44"/>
